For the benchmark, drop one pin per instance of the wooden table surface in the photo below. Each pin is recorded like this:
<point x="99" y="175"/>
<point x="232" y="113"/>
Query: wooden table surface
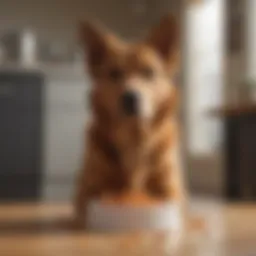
<point x="38" y="230"/>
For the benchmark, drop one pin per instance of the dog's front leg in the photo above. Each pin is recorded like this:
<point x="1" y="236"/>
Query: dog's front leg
<point x="165" y="183"/>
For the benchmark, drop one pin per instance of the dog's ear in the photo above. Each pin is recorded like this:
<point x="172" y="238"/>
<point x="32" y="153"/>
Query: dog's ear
<point x="94" y="40"/>
<point x="164" y="38"/>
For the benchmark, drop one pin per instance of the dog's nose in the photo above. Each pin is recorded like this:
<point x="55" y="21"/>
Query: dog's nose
<point x="129" y="103"/>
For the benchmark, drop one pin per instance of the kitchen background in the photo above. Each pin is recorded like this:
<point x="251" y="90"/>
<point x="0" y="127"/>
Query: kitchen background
<point x="44" y="85"/>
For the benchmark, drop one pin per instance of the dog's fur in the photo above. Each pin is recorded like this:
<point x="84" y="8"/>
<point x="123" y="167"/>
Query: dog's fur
<point x="132" y="153"/>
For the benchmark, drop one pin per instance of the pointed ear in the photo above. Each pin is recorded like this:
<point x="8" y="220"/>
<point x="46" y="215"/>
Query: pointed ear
<point x="164" y="38"/>
<point x="94" y="41"/>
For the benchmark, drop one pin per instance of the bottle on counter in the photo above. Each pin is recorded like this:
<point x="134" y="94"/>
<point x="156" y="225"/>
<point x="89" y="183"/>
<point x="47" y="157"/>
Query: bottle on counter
<point x="28" y="48"/>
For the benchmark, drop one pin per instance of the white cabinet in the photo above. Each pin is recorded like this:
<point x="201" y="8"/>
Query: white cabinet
<point x="66" y="114"/>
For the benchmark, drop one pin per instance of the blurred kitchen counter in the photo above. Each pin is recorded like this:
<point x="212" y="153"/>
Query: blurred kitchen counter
<point x="38" y="230"/>
<point x="49" y="69"/>
<point x="234" y="110"/>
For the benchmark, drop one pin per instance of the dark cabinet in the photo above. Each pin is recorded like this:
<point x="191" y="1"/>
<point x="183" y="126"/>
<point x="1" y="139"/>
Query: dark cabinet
<point x="21" y="116"/>
<point x="241" y="157"/>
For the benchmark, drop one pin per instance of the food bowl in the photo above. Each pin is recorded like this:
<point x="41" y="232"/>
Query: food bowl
<point x="133" y="213"/>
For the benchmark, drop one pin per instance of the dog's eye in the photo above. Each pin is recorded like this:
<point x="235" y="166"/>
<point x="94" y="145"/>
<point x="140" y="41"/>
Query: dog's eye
<point x="147" y="72"/>
<point x="116" y="74"/>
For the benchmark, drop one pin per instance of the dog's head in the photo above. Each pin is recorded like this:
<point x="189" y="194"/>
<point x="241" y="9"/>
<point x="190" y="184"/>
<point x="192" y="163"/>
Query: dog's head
<point x="132" y="80"/>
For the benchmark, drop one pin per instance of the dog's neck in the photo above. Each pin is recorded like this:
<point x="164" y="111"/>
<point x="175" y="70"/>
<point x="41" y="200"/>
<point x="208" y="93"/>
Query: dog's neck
<point x="131" y="138"/>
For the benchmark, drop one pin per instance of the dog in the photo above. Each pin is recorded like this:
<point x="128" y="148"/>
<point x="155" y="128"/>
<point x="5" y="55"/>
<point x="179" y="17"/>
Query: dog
<point x="133" y="141"/>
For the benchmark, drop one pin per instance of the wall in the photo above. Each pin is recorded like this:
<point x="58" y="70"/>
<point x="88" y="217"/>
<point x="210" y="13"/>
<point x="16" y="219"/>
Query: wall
<point x="205" y="74"/>
<point x="250" y="38"/>
<point x="204" y="91"/>
<point x="236" y="63"/>
<point x="57" y="19"/>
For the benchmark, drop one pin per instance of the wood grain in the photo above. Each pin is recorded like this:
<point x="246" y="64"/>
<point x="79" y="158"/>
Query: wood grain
<point x="42" y="230"/>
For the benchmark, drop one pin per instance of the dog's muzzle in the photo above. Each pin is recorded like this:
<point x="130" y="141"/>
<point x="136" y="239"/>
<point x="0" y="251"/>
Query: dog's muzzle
<point x="130" y="103"/>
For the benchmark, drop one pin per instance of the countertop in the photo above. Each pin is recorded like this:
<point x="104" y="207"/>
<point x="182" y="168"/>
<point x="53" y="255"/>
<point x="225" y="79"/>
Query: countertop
<point x="39" y="230"/>
<point x="49" y="69"/>
<point x="233" y="110"/>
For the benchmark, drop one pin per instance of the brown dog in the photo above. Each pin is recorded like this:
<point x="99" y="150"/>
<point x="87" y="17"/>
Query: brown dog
<point x="133" y="139"/>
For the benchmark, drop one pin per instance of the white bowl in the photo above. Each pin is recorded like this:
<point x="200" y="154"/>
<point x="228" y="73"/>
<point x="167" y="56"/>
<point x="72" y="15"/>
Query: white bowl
<point x="112" y="217"/>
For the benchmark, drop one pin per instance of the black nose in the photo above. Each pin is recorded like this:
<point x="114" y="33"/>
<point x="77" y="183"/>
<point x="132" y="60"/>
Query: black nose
<point x="129" y="103"/>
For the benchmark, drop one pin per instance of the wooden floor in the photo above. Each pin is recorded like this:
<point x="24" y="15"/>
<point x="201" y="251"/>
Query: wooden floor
<point x="40" y="230"/>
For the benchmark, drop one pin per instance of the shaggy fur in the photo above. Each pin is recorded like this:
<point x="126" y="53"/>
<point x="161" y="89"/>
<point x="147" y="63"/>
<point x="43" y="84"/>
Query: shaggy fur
<point x="135" y="153"/>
